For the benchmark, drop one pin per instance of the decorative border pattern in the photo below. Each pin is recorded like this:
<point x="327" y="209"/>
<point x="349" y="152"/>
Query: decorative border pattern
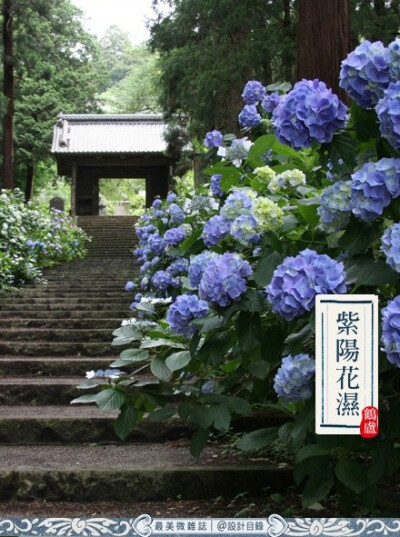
<point x="146" y="526"/>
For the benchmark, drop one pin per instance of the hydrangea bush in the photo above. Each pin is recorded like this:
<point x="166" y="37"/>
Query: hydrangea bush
<point x="32" y="239"/>
<point x="306" y="201"/>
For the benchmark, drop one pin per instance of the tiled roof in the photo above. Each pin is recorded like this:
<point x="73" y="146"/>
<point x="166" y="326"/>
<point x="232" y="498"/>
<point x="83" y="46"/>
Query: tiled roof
<point x="106" y="133"/>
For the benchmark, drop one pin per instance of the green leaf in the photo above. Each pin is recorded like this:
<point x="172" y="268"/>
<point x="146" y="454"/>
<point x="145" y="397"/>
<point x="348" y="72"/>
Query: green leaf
<point x="187" y="243"/>
<point x="221" y="417"/>
<point x="159" y="368"/>
<point x="259" y="369"/>
<point x="161" y="414"/>
<point x="252" y="301"/>
<point x="258" y="439"/>
<point x="178" y="360"/>
<point x="198" y="442"/>
<point x="352" y="475"/>
<point x="126" y="421"/>
<point x="198" y="414"/>
<point x="134" y="355"/>
<point x="209" y="323"/>
<point x="146" y="307"/>
<point x="358" y="237"/>
<point x="110" y="398"/>
<point x="266" y="267"/>
<point x="152" y="343"/>
<point x="258" y="149"/>
<point x="312" y="450"/>
<point x="238" y="405"/>
<point x="343" y="147"/>
<point x="248" y="328"/>
<point x="129" y="331"/>
<point x="366" y="271"/>
<point x="317" y="488"/>
<point x="88" y="398"/>
<point x="308" y="213"/>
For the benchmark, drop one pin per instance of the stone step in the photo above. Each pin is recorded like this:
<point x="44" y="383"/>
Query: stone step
<point x="129" y="473"/>
<point x="46" y="348"/>
<point x="66" y="313"/>
<point x="74" y="424"/>
<point x="118" y="299"/>
<point x="50" y="366"/>
<point x="57" y="305"/>
<point x="73" y="292"/>
<point x="83" y="324"/>
<point x="58" y="334"/>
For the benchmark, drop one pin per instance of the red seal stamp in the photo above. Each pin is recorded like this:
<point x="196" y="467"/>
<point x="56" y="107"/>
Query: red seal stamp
<point x="369" y="424"/>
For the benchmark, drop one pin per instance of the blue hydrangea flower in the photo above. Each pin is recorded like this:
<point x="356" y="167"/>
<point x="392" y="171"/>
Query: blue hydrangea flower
<point x="197" y="266"/>
<point x="215" y="185"/>
<point x="179" y="266"/>
<point x="294" y="379"/>
<point x="208" y="387"/>
<point x="214" y="230"/>
<point x="186" y="308"/>
<point x="373" y="186"/>
<point x="129" y="286"/>
<point x="156" y="243"/>
<point x="270" y="102"/>
<point x="249" y="117"/>
<point x="388" y="110"/>
<point x="365" y="73"/>
<point x="393" y="59"/>
<point x="159" y="213"/>
<point x="213" y="139"/>
<point x="161" y="280"/>
<point x="145" y="267"/>
<point x="335" y="208"/>
<point x="176" y="214"/>
<point x="310" y="111"/>
<point x="390" y="245"/>
<point x="297" y="281"/>
<point x="224" y="279"/>
<point x="144" y="232"/>
<point x="238" y="150"/>
<point x="391" y="331"/>
<point x="253" y="92"/>
<point x="239" y="202"/>
<point x="175" y="235"/>
<point x="244" y="229"/>
<point x="156" y="203"/>
<point x="172" y="197"/>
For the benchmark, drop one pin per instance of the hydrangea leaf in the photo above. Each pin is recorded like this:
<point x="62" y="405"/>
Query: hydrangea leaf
<point x="178" y="360"/>
<point x="152" y="343"/>
<point x="258" y="439"/>
<point x="352" y="475"/>
<point x="366" y="271"/>
<point x="161" y="414"/>
<point x="259" y="369"/>
<point x="260" y="147"/>
<point x="340" y="152"/>
<point x="83" y="399"/>
<point x="238" y="405"/>
<point x="134" y="355"/>
<point x="198" y="442"/>
<point x="311" y="450"/>
<point x="126" y="421"/>
<point x="221" y="417"/>
<point x="317" y="488"/>
<point x="358" y="237"/>
<point x="110" y="398"/>
<point x="159" y="368"/>
<point x="265" y="268"/>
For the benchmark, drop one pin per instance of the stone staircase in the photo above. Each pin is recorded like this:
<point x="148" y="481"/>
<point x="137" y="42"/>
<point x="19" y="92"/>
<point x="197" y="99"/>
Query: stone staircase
<point x="50" y="451"/>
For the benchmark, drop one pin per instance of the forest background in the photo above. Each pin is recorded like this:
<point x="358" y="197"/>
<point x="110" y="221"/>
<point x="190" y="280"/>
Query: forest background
<point x="193" y="69"/>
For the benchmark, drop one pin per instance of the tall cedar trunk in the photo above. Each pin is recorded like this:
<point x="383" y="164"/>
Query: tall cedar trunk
<point x="323" y="40"/>
<point x="287" y="57"/>
<point x="29" y="182"/>
<point x="8" y="90"/>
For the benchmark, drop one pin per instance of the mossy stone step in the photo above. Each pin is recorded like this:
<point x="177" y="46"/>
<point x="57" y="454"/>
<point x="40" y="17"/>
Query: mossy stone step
<point x="66" y="305"/>
<point x="87" y="324"/>
<point x="57" y="334"/>
<point x="66" y="313"/>
<point x="50" y="366"/>
<point x="46" y="348"/>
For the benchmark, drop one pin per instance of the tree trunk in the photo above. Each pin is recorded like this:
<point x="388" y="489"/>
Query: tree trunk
<point x="323" y="40"/>
<point x="29" y="182"/>
<point x="8" y="90"/>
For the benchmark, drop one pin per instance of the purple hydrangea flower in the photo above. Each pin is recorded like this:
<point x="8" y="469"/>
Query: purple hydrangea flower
<point x="224" y="279"/>
<point x="365" y="73"/>
<point x="249" y="117"/>
<point x="270" y="102"/>
<point x="243" y="229"/>
<point x="186" y="308"/>
<point x="129" y="286"/>
<point x="238" y="150"/>
<point x="391" y="331"/>
<point x="393" y="59"/>
<point x="294" y="379"/>
<point x="390" y="245"/>
<point x="156" y="203"/>
<point x="388" y="110"/>
<point x="297" y="281"/>
<point x="174" y="236"/>
<point x="161" y="280"/>
<point x="179" y="266"/>
<point x="335" y="208"/>
<point x="373" y="186"/>
<point x="214" y="230"/>
<point x="145" y="267"/>
<point x="172" y="197"/>
<point x="310" y="111"/>
<point x="176" y="214"/>
<point x="159" y="213"/>
<point x="144" y="232"/>
<point x="197" y="266"/>
<point x="215" y="185"/>
<point x="253" y="92"/>
<point x="213" y="139"/>
<point x="208" y="387"/>
<point x="156" y="243"/>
